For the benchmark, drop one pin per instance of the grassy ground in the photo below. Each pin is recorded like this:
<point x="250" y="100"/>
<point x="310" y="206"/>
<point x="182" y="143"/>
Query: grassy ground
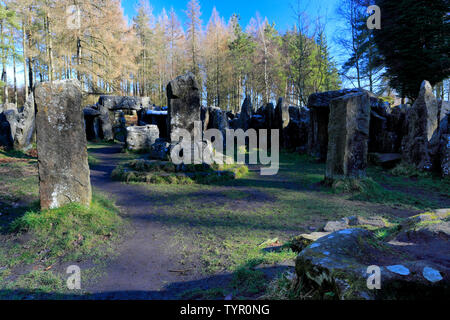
<point x="225" y="226"/>
<point x="34" y="244"/>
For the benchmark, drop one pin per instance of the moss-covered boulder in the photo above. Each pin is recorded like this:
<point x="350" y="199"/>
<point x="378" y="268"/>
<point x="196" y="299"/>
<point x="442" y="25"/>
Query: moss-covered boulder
<point x="336" y="266"/>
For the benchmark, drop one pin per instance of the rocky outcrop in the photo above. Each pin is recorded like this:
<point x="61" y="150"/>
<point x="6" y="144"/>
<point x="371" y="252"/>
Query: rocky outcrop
<point x="61" y="145"/>
<point x="183" y="97"/>
<point x="444" y="138"/>
<point x="246" y="114"/>
<point x="141" y="138"/>
<point x="160" y="150"/>
<point x="282" y="120"/>
<point x="296" y="132"/>
<point x="92" y="122"/>
<point x="217" y="119"/>
<point x="114" y="103"/>
<point x="106" y="123"/>
<point x="422" y="124"/>
<point x="348" y="133"/>
<point x="120" y="126"/>
<point x="26" y="125"/>
<point x="337" y="266"/>
<point x="8" y="124"/>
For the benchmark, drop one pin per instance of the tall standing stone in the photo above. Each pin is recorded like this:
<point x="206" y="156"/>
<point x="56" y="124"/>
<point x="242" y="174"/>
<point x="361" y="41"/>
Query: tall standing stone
<point x="348" y="136"/>
<point x="422" y="123"/>
<point x="26" y="125"/>
<point x="183" y="97"/>
<point x="282" y="119"/>
<point x="8" y="124"/>
<point x="246" y="114"/>
<point x="61" y="145"/>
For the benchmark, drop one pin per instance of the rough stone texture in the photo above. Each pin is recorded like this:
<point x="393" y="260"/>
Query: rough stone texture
<point x="142" y="138"/>
<point x="296" y="133"/>
<point x="381" y="140"/>
<point x="160" y="150"/>
<point x="217" y="119"/>
<point x="92" y="122"/>
<point x="318" y="132"/>
<point x="338" y="263"/>
<point x="120" y="126"/>
<point x="183" y="97"/>
<point x="445" y="155"/>
<point x="282" y="120"/>
<point x="444" y="139"/>
<point x="347" y="222"/>
<point x="204" y="116"/>
<point x="61" y="145"/>
<point x="114" y="103"/>
<point x="282" y="117"/>
<point x="26" y="125"/>
<point x="106" y="124"/>
<point x="246" y="114"/>
<point x="348" y="136"/>
<point x="269" y="114"/>
<point x="323" y="99"/>
<point x="157" y="116"/>
<point x="8" y="124"/>
<point x="422" y="123"/>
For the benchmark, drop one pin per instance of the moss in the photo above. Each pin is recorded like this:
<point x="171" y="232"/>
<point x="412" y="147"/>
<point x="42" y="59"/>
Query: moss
<point x="408" y="170"/>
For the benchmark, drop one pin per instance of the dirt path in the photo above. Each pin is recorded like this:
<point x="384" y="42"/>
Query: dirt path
<point x="145" y="267"/>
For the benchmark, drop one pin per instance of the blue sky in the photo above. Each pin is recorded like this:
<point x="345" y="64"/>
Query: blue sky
<point x="278" y="11"/>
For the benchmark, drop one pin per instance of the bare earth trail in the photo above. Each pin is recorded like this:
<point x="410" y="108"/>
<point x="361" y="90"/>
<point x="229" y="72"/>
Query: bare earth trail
<point x="145" y="266"/>
<point x="149" y="262"/>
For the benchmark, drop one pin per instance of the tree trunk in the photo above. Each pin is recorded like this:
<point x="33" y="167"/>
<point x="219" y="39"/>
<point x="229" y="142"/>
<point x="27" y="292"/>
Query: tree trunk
<point x="15" y="80"/>
<point x="25" y="57"/>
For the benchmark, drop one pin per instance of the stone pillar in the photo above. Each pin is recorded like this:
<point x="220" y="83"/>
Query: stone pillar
<point x="26" y="125"/>
<point x="348" y="136"/>
<point x="282" y="119"/>
<point x="183" y="97"/>
<point x="246" y="114"/>
<point x="61" y="145"/>
<point x="422" y="124"/>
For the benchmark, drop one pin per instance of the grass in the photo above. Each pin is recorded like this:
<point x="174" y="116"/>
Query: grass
<point x="34" y="243"/>
<point x="72" y="233"/>
<point x="162" y="172"/>
<point x="225" y="233"/>
<point x="220" y="226"/>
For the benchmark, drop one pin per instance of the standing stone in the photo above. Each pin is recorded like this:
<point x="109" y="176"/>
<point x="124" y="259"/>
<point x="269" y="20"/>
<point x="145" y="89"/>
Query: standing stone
<point x="92" y="123"/>
<point x="120" y="126"/>
<point x="26" y="125"/>
<point x="422" y="122"/>
<point x="348" y="133"/>
<point x="8" y="124"/>
<point x="61" y="145"/>
<point x="106" y="125"/>
<point x="297" y="130"/>
<point x="246" y="114"/>
<point x="183" y="97"/>
<point x="444" y="128"/>
<point x="282" y="114"/>
<point x="217" y="119"/>
<point x="282" y="120"/>
<point x="141" y="138"/>
<point x="269" y="114"/>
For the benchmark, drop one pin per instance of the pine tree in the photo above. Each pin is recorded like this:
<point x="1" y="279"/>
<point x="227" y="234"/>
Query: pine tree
<point x="414" y="42"/>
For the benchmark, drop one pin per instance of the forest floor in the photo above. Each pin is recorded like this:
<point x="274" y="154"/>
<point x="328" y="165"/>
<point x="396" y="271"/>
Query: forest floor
<point x="191" y="241"/>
